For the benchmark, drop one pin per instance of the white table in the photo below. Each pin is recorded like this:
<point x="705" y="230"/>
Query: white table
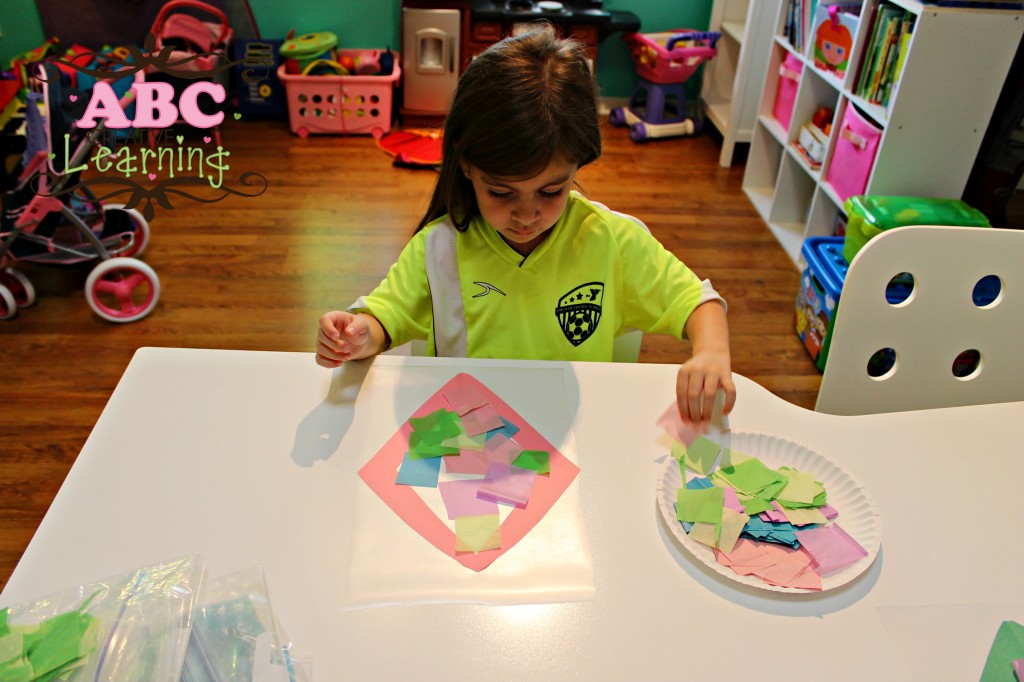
<point x="250" y="458"/>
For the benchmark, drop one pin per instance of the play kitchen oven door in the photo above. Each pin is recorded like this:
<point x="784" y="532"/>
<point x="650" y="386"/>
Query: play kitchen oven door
<point x="430" y="58"/>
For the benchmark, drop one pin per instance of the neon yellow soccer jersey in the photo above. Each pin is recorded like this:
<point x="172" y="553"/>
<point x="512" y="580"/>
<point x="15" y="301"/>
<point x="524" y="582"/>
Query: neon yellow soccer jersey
<point x="598" y="274"/>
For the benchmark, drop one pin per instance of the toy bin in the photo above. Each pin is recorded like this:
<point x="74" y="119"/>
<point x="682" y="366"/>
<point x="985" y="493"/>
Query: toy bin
<point x="333" y="104"/>
<point x="854" y="154"/>
<point x="816" y="302"/>
<point x="868" y="216"/>
<point x="785" y="95"/>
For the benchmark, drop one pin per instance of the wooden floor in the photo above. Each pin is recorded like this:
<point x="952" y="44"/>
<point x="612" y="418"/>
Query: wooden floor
<point x="255" y="273"/>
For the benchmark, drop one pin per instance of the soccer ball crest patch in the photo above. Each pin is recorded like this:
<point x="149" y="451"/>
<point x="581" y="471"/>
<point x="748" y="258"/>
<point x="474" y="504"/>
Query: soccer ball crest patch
<point x="579" y="311"/>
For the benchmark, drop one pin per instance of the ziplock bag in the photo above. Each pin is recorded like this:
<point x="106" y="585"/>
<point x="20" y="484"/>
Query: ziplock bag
<point x="235" y="636"/>
<point x="130" y="628"/>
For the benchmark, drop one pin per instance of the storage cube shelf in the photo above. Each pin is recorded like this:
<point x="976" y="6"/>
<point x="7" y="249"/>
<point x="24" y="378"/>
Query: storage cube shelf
<point x="732" y="80"/>
<point x="939" y="108"/>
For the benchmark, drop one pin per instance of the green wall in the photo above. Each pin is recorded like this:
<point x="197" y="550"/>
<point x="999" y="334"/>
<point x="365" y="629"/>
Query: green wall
<point x="21" y="28"/>
<point x="375" y="23"/>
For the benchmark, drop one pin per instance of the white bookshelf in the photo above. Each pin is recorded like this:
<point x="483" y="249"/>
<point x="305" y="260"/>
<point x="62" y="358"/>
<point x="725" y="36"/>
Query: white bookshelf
<point x="732" y="81"/>
<point x="956" y="63"/>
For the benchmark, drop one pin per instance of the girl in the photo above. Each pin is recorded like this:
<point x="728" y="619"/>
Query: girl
<point x="510" y="262"/>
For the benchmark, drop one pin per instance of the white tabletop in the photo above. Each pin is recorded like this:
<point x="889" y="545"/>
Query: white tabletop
<point x="250" y="458"/>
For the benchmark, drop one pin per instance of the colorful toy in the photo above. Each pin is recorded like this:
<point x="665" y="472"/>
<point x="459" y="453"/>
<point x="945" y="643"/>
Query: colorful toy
<point x="22" y="65"/>
<point x="348" y="63"/>
<point x="326" y="67"/>
<point x="813" y="137"/>
<point x="299" y="52"/>
<point x="664" y="62"/>
<point x="43" y="222"/>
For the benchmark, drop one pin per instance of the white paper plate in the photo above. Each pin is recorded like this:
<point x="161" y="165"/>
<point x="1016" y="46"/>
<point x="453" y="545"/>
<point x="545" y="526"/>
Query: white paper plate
<point x="858" y="514"/>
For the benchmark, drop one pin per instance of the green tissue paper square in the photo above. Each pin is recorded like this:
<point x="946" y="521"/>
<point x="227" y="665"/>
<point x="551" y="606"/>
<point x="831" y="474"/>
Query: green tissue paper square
<point x="11" y="648"/>
<point x="536" y="460"/>
<point x="16" y="672"/>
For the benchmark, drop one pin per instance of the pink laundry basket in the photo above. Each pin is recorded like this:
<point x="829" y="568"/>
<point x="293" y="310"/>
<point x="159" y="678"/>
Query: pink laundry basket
<point x="356" y="105"/>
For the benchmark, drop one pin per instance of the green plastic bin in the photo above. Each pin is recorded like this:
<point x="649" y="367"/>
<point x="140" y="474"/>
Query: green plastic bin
<point x="868" y="216"/>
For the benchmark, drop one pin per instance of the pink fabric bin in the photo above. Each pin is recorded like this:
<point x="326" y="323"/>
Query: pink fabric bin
<point x="854" y="155"/>
<point x="785" y="95"/>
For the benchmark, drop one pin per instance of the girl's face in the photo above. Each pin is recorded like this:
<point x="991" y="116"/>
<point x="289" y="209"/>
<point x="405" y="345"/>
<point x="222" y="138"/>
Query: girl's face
<point x="523" y="211"/>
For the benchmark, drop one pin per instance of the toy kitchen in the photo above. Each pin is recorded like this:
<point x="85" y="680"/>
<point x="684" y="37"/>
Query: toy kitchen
<point x="440" y="37"/>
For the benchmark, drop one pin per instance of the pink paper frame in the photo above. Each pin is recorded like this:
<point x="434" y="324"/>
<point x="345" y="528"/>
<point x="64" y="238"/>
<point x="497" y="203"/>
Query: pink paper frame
<point x="380" y="472"/>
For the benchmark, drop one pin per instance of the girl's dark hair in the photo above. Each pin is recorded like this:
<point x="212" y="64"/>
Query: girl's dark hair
<point x="519" y="104"/>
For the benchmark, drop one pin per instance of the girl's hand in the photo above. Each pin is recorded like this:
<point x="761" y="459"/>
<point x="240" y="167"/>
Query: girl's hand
<point x="709" y="370"/>
<point x="342" y="336"/>
<point x="699" y="380"/>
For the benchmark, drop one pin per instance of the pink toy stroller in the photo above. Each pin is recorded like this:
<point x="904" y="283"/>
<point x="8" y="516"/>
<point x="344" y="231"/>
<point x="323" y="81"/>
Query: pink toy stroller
<point x="664" y="62"/>
<point x="192" y="40"/>
<point x="44" y="223"/>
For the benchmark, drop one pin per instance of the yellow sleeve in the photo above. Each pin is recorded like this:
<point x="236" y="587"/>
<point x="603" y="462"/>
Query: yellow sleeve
<point x="401" y="302"/>
<point x="660" y="292"/>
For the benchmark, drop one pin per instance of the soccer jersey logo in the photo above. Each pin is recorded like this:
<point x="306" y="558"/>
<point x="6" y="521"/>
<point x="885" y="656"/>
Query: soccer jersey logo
<point x="487" y="288"/>
<point x="579" y="311"/>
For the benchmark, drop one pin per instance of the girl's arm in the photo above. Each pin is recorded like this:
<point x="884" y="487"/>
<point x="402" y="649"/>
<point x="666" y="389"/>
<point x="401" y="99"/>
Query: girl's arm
<point x="342" y="336"/>
<point x="709" y="369"/>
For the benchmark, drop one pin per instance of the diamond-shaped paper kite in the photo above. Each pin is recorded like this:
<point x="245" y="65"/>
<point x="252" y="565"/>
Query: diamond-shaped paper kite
<point x="476" y="546"/>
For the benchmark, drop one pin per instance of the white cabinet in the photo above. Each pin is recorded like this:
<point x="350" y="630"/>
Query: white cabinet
<point x="732" y="81"/>
<point x="955" y="64"/>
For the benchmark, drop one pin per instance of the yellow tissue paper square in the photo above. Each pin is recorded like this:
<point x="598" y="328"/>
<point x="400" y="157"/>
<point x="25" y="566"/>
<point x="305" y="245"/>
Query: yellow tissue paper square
<point x="477" y="533"/>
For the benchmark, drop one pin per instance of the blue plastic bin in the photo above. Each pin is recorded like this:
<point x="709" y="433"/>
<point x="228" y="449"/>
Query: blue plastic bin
<point x="816" y="302"/>
<point x="822" y="283"/>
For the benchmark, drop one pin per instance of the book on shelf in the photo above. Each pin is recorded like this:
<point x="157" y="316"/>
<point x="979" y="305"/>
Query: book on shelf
<point x="886" y="50"/>
<point x="798" y="21"/>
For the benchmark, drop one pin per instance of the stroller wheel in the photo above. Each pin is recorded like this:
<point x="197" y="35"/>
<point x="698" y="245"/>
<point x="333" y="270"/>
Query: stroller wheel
<point x="122" y="290"/>
<point x="139" y="229"/>
<point x="617" y="116"/>
<point x="19" y="286"/>
<point x="8" y="308"/>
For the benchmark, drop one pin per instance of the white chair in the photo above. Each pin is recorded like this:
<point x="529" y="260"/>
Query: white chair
<point x="957" y="339"/>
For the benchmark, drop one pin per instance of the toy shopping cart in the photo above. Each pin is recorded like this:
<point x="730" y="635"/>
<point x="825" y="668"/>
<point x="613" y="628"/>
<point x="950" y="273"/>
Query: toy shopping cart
<point x="664" y="62"/>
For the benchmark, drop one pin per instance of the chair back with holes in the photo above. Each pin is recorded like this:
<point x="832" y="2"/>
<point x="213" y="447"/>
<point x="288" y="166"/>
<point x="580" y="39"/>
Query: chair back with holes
<point x="953" y="336"/>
